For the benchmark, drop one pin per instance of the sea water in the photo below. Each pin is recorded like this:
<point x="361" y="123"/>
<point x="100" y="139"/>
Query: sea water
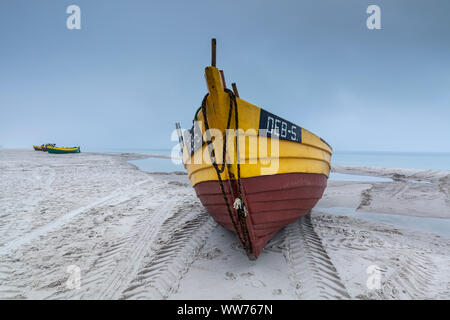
<point x="407" y="160"/>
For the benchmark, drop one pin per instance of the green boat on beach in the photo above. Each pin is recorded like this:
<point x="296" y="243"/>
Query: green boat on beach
<point x="64" y="150"/>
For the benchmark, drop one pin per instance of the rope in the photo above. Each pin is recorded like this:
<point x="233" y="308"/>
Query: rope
<point x="240" y="208"/>
<point x="208" y="137"/>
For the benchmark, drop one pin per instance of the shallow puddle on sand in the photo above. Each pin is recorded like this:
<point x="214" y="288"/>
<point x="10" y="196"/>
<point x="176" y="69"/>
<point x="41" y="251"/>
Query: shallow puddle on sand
<point x="439" y="226"/>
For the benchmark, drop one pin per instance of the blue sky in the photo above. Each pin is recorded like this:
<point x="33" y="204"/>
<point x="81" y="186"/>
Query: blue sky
<point x="136" y="67"/>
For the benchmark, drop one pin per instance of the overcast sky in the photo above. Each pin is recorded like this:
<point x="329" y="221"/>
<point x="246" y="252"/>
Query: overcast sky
<point x="136" y="67"/>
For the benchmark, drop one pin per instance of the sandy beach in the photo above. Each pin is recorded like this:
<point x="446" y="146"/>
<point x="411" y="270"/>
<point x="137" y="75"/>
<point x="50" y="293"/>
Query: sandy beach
<point x="130" y="234"/>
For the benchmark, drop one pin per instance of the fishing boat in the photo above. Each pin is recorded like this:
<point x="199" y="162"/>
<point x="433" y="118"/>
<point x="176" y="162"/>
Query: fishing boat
<point x="43" y="147"/>
<point x="49" y="145"/>
<point x="252" y="191"/>
<point x="64" y="150"/>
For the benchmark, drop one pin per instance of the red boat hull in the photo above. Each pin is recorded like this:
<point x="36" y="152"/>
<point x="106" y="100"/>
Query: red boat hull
<point x="272" y="202"/>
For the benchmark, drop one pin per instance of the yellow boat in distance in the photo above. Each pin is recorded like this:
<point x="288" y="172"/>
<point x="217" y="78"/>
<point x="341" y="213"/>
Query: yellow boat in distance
<point x="43" y="147"/>
<point x="60" y="150"/>
<point x="257" y="172"/>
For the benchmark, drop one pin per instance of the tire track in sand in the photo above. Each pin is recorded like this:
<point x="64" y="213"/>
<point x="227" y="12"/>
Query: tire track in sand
<point x="154" y="230"/>
<point x="161" y="273"/>
<point x="413" y="274"/>
<point x="119" y="264"/>
<point x="12" y="266"/>
<point x="6" y="291"/>
<point x="24" y="222"/>
<point x="312" y="272"/>
<point x="63" y="219"/>
<point x="406" y="273"/>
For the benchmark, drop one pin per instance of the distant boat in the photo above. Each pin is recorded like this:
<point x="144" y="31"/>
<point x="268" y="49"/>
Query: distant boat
<point x="64" y="150"/>
<point x="44" y="147"/>
<point x="244" y="194"/>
